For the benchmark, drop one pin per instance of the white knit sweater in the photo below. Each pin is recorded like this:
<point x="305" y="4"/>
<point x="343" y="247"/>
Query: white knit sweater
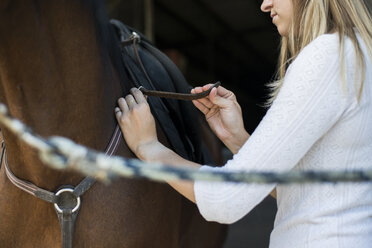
<point x="315" y="123"/>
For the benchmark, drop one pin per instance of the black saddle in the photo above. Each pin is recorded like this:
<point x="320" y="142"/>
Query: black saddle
<point x="147" y="66"/>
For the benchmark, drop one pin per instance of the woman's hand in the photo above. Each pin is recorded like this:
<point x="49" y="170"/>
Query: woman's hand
<point x="224" y="116"/>
<point x="139" y="131"/>
<point x="136" y="121"/>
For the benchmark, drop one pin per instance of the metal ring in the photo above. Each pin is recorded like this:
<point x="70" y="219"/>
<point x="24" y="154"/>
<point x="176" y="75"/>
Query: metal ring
<point x="77" y="199"/>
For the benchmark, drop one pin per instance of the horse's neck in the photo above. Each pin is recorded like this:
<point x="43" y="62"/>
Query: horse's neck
<point x="53" y="79"/>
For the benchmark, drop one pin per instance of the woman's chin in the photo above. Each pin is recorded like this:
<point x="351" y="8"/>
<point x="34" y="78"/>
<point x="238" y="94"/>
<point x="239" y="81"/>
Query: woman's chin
<point x="283" y="32"/>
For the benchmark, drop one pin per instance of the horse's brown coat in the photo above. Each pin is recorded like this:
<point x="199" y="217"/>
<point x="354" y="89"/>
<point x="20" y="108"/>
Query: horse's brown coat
<point x="52" y="77"/>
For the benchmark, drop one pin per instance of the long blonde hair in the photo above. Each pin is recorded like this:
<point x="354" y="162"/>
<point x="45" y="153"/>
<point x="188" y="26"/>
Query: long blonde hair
<point x="312" y="18"/>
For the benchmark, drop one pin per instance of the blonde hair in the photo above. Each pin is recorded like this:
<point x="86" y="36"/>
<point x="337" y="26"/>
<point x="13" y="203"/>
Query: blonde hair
<point x="312" y="18"/>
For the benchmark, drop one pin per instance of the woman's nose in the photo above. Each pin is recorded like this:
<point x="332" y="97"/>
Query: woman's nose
<point x="266" y="5"/>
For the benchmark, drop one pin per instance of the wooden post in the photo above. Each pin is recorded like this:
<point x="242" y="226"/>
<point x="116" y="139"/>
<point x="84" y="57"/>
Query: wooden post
<point x="149" y="19"/>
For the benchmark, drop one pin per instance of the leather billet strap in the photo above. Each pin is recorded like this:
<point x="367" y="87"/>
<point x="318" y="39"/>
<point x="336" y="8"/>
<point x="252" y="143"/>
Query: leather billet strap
<point x="178" y="96"/>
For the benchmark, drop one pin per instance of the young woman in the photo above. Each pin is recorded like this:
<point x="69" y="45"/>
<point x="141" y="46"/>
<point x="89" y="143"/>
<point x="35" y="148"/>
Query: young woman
<point x="320" y="118"/>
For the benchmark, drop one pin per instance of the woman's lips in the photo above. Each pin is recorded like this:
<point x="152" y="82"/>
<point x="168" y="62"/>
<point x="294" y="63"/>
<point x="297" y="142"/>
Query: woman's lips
<point x="273" y="17"/>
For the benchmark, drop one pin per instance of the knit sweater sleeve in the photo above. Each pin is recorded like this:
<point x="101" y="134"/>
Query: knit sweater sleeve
<point x="309" y="103"/>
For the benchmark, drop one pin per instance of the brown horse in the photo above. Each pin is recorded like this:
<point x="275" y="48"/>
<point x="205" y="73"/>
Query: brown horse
<point x="58" y="74"/>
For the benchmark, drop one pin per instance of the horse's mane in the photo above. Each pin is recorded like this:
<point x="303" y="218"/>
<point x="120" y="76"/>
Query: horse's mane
<point x="109" y="43"/>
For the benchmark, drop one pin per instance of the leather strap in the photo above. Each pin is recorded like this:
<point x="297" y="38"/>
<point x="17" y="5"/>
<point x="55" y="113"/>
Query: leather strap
<point x="179" y="96"/>
<point x="45" y="195"/>
<point x="67" y="200"/>
<point x="2" y="148"/>
<point x="114" y="142"/>
<point x="2" y="152"/>
<point x="67" y="209"/>
<point x="27" y="186"/>
<point x="67" y="222"/>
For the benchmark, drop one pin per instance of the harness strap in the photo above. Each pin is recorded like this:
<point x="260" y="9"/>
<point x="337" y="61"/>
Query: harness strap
<point x="84" y="186"/>
<point x="2" y="152"/>
<point x="67" y="222"/>
<point x="67" y="209"/>
<point x="67" y="200"/>
<point x="2" y="148"/>
<point x="114" y="142"/>
<point x="27" y="186"/>
<point x="139" y="60"/>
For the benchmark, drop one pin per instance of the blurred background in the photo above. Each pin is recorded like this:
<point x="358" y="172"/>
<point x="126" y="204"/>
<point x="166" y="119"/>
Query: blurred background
<point x="209" y="40"/>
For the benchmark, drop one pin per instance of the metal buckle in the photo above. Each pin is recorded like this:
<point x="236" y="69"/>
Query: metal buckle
<point x="59" y="210"/>
<point x="136" y="37"/>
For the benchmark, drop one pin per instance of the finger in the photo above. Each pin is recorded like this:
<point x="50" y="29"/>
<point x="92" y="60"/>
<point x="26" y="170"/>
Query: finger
<point x="201" y="107"/>
<point x="205" y="101"/>
<point x="221" y="91"/>
<point x="207" y="87"/>
<point x="123" y="105"/>
<point x="138" y="95"/>
<point x="197" y="90"/>
<point x="220" y="101"/>
<point x="213" y="94"/>
<point x="118" y="113"/>
<point x="130" y="101"/>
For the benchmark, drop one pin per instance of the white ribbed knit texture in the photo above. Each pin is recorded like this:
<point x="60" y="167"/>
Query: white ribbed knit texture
<point x="314" y="124"/>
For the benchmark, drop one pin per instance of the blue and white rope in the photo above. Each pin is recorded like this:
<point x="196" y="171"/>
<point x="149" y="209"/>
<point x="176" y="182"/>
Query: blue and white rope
<point x="62" y="153"/>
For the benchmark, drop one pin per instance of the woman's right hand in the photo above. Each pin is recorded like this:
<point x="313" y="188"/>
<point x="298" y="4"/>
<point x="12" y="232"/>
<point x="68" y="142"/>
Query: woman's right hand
<point x="224" y="115"/>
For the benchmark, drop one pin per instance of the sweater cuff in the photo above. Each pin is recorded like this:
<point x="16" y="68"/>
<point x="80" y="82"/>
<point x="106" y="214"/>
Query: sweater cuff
<point x="202" y="194"/>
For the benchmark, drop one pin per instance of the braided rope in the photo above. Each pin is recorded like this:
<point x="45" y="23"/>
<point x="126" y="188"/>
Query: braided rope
<point x="62" y="153"/>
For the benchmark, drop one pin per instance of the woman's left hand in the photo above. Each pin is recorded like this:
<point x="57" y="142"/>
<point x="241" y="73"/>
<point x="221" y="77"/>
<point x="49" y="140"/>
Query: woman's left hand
<point x="136" y="121"/>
